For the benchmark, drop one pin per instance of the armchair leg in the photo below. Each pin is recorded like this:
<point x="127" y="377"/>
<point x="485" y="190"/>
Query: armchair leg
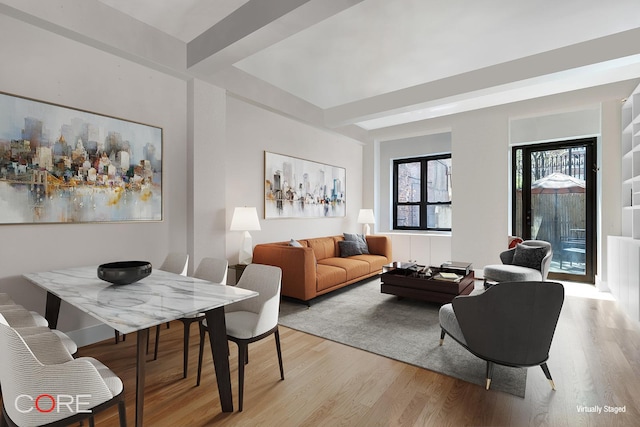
<point x="547" y="374"/>
<point x="489" y="374"/>
<point x="441" y="336"/>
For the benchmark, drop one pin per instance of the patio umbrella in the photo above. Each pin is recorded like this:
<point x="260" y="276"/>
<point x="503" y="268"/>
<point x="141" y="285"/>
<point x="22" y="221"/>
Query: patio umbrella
<point x="557" y="183"/>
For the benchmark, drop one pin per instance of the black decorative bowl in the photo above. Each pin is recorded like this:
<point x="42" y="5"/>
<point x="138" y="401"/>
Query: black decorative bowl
<point x="124" y="272"/>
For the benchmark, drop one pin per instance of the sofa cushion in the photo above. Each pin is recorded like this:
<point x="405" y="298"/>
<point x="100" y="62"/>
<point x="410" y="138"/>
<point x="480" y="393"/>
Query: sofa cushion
<point x="376" y="262"/>
<point x="348" y="248"/>
<point x="529" y="256"/>
<point x="354" y="268"/>
<point x="328" y="276"/>
<point x="323" y="247"/>
<point x="359" y="239"/>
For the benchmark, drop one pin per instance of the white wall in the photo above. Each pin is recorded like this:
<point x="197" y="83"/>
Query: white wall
<point x="480" y="157"/>
<point x="44" y="66"/>
<point x="251" y="131"/>
<point x="422" y="145"/>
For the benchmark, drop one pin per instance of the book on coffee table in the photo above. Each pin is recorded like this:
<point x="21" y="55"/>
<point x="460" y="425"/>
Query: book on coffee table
<point x="450" y="277"/>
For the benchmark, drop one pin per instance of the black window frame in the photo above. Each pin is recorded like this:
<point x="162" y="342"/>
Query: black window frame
<point x="424" y="203"/>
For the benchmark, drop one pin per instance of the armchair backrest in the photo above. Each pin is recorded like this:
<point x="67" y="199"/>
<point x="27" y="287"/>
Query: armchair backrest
<point x="511" y="323"/>
<point x="507" y="256"/>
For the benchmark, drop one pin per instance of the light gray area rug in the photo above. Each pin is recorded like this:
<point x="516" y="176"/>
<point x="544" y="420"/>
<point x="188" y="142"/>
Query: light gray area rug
<point x="402" y="329"/>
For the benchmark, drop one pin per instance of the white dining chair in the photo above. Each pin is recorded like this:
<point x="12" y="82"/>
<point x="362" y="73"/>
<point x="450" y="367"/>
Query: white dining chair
<point x="24" y="321"/>
<point x="252" y="319"/>
<point x="174" y="262"/>
<point x="26" y="377"/>
<point x="212" y="270"/>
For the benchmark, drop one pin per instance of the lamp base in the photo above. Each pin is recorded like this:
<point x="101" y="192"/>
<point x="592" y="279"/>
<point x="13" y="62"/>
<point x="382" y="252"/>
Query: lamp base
<point x="246" y="249"/>
<point x="366" y="230"/>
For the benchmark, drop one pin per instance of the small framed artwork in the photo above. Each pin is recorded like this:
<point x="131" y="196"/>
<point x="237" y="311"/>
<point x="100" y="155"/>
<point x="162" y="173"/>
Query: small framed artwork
<point x="299" y="188"/>
<point x="63" y="165"/>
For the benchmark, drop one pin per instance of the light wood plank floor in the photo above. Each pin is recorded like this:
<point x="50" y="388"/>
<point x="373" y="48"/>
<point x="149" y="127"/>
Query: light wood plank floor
<point x="595" y="361"/>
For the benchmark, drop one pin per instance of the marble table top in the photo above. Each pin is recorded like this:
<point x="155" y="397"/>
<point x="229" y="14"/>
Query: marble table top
<point x="156" y="299"/>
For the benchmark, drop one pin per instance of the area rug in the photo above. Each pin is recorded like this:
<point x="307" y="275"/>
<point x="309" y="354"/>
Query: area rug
<point x="399" y="328"/>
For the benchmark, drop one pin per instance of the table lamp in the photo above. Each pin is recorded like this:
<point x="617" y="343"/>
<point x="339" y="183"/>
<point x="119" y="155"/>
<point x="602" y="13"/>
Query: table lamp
<point x="366" y="217"/>
<point x="245" y="219"/>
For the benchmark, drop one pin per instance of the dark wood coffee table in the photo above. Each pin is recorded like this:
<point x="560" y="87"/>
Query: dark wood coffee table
<point x="409" y="284"/>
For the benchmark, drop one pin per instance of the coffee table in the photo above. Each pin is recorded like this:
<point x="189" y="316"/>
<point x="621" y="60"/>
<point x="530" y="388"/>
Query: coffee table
<point x="410" y="284"/>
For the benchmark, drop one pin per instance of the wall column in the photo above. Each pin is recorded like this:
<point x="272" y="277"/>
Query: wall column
<point x="206" y="136"/>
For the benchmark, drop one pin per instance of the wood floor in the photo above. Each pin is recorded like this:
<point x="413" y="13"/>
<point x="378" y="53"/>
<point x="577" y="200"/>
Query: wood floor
<point x="595" y="362"/>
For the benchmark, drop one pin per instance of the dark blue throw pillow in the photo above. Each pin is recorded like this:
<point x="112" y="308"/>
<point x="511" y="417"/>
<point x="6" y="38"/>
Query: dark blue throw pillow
<point x="360" y="240"/>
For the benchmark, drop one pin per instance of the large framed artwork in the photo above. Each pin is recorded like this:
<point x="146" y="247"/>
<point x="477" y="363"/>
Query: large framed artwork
<point x="298" y="188"/>
<point x="63" y="165"/>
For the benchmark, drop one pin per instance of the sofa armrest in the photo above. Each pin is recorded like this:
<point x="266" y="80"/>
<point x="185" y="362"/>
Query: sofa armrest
<point x="380" y="245"/>
<point x="298" y="267"/>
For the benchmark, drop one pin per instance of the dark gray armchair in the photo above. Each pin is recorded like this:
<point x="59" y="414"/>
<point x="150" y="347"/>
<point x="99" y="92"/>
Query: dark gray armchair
<point x="529" y="260"/>
<point x="511" y="324"/>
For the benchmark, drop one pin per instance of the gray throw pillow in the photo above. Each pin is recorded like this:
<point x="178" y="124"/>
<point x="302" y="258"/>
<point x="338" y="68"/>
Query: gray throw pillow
<point x="295" y="243"/>
<point x="348" y="248"/>
<point x="529" y="256"/>
<point x="359" y="239"/>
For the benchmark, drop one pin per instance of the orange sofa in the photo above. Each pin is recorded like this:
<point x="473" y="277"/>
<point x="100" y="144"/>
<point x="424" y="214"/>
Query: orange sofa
<point x="317" y="268"/>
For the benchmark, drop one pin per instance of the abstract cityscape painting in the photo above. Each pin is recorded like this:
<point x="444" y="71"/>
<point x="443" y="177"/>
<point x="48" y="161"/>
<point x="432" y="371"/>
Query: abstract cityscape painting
<point x="63" y="165"/>
<point x="298" y="188"/>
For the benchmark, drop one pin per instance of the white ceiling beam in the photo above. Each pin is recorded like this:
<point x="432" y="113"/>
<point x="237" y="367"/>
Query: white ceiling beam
<point x="591" y="52"/>
<point x="254" y="26"/>
<point x="95" y="24"/>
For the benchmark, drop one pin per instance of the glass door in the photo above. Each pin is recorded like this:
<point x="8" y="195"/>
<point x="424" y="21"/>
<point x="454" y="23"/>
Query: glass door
<point x="554" y="200"/>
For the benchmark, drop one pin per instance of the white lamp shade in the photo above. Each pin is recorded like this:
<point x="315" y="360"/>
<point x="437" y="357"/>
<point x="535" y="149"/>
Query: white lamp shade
<point x="366" y="217"/>
<point x="245" y="219"/>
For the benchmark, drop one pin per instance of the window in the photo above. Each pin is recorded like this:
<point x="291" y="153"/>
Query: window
<point x="422" y="193"/>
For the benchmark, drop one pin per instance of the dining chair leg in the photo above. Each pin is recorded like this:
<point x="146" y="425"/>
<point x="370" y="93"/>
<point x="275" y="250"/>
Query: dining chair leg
<point x="242" y="355"/>
<point x="279" y="350"/>
<point x="122" y="413"/>
<point x="200" y="352"/>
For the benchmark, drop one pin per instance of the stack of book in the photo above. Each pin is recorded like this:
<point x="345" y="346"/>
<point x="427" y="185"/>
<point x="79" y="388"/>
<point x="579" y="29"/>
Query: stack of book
<point x="458" y="267"/>
<point x="449" y="277"/>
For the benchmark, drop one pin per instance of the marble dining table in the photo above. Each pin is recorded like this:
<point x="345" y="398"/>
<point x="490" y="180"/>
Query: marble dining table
<point x="136" y="307"/>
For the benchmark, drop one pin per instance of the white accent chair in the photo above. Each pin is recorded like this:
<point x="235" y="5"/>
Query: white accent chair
<point x="25" y="376"/>
<point x="252" y="319"/>
<point x="512" y="270"/>
<point x="212" y="270"/>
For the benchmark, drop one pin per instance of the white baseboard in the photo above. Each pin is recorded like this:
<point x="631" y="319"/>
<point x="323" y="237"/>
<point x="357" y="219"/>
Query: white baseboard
<point x="601" y="285"/>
